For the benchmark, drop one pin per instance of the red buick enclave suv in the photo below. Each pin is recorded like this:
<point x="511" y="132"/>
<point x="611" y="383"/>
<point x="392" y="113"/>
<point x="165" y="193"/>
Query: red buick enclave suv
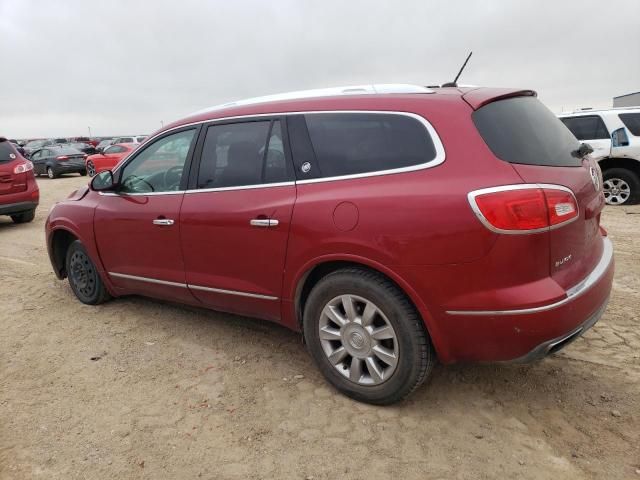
<point x="19" y="193"/>
<point x="393" y="225"/>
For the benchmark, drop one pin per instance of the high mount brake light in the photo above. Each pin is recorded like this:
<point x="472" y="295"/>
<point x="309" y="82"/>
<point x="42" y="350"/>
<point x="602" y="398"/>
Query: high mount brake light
<point x="526" y="208"/>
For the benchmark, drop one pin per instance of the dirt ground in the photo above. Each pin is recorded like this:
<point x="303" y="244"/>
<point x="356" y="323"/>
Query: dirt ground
<point x="140" y="389"/>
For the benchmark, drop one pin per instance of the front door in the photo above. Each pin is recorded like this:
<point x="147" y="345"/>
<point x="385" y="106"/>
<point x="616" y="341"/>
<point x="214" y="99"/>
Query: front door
<point x="137" y="227"/>
<point x="235" y="221"/>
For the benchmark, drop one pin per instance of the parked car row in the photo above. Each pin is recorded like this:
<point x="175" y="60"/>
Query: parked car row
<point x="614" y="135"/>
<point x="86" y="144"/>
<point x="392" y="229"/>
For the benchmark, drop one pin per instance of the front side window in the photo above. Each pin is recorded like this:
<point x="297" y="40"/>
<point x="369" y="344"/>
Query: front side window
<point x="355" y="143"/>
<point x="587" y="127"/>
<point x="243" y="154"/>
<point x="159" y="167"/>
<point x="632" y="122"/>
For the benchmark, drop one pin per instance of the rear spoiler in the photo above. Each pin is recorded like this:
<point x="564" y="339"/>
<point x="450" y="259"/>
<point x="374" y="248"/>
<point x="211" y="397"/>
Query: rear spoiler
<point x="479" y="97"/>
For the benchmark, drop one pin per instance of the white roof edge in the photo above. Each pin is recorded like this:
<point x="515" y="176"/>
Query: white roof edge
<point x="592" y="110"/>
<point x="380" y="88"/>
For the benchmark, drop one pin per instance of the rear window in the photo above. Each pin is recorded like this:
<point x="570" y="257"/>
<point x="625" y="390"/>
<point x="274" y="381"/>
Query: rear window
<point x="586" y="127"/>
<point x="523" y="130"/>
<point x="632" y="122"/>
<point x="7" y="153"/>
<point x="354" y="143"/>
<point x="67" y="151"/>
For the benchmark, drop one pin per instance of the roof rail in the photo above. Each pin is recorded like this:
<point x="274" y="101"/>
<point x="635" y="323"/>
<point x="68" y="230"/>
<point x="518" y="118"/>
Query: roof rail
<point x="371" y="89"/>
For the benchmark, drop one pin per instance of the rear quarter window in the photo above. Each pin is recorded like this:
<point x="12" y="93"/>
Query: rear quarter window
<point x="632" y="122"/>
<point x="522" y="130"/>
<point x="586" y="127"/>
<point x="7" y="152"/>
<point x="357" y="143"/>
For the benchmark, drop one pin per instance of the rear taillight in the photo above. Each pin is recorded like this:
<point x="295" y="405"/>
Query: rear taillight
<point x="23" y="168"/>
<point x="525" y="208"/>
<point x="62" y="157"/>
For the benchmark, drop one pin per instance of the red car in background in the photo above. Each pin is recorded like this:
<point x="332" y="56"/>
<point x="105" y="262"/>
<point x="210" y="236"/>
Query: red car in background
<point x="109" y="158"/>
<point x="19" y="193"/>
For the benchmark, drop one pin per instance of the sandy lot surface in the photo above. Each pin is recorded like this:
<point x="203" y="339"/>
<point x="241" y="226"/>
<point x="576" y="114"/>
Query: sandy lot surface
<point x="140" y="389"/>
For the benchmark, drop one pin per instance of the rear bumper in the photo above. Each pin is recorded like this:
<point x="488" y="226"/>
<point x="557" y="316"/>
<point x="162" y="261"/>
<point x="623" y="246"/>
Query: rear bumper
<point x="556" y="344"/>
<point x="71" y="168"/>
<point x="18" y="207"/>
<point x="526" y="334"/>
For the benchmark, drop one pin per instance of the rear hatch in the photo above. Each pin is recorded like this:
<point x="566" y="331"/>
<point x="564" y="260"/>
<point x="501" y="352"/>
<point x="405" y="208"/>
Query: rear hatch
<point x="522" y="131"/>
<point x="9" y="181"/>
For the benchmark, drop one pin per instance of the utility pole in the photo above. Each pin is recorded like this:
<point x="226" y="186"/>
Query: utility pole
<point x="89" y="131"/>
<point x="162" y="123"/>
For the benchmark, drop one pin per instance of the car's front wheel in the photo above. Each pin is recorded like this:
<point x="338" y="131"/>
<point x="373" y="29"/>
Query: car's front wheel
<point x="91" y="169"/>
<point x="366" y="337"/>
<point x="83" y="276"/>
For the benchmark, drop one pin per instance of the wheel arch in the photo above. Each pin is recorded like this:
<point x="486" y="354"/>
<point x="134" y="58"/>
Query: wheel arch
<point x="313" y="272"/>
<point x="58" y="246"/>
<point x="620" y="162"/>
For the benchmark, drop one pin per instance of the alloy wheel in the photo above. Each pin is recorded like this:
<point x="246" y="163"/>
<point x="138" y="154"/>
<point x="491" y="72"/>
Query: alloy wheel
<point x="91" y="169"/>
<point x="50" y="173"/>
<point x="358" y="340"/>
<point x="616" y="191"/>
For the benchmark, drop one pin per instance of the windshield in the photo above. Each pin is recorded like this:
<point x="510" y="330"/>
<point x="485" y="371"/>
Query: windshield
<point x="523" y="130"/>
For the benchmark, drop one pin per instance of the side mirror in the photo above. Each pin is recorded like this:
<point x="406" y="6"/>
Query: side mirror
<point x="103" y="182"/>
<point x="619" y="138"/>
<point x="100" y="150"/>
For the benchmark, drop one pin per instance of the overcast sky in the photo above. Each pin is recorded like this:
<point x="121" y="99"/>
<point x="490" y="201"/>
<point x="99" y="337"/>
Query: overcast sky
<point x="123" y="66"/>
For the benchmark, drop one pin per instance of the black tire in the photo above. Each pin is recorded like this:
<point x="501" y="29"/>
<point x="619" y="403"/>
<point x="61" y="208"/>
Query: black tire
<point x="91" y="169"/>
<point x="629" y="178"/>
<point x="83" y="276"/>
<point x="416" y="356"/>
<point x="51" y="173"/>
<point x="83" y="173"/>
<point x="24" y="217"/>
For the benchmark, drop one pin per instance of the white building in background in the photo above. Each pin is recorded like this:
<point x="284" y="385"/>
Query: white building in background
<point x="628" y="100"/>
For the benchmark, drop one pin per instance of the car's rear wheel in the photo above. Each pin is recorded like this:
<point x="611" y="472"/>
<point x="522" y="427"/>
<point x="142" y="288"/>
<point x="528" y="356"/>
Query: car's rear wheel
<point x="620" y="186"/>
<point x="366" y="337"/>
<point x="83" y="173"/>
<point x="24" y="217"/>
<point x="83" y="276"/>
<point x="51" y="173"/>
<point x="91" y="169"/>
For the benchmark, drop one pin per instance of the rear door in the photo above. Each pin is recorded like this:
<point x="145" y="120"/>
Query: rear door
<point x="9" y="181"/>
<point x="523" y="132"/>
<point x="592" y="130"/>
<point x="235" y="218"/>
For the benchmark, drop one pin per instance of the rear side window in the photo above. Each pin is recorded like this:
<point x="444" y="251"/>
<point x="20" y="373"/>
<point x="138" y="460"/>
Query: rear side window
<point x="243" y="154"/>
<point x="632" y="122"/>
<point x="589" y="127"/>
<point x="523" y="130"/>
<point x="7" y="153"/>
<point x="356" y="143"/>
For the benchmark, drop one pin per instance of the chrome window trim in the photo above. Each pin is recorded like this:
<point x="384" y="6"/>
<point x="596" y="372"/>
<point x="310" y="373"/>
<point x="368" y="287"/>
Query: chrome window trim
<point x="195" y="287"/>
<point x="435" y="138"/>
<point x="471" y="197"/>
<point x="572" y="293"/>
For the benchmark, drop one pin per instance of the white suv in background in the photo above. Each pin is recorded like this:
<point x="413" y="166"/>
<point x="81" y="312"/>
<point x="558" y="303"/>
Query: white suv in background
<point x="614" y="135"/>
